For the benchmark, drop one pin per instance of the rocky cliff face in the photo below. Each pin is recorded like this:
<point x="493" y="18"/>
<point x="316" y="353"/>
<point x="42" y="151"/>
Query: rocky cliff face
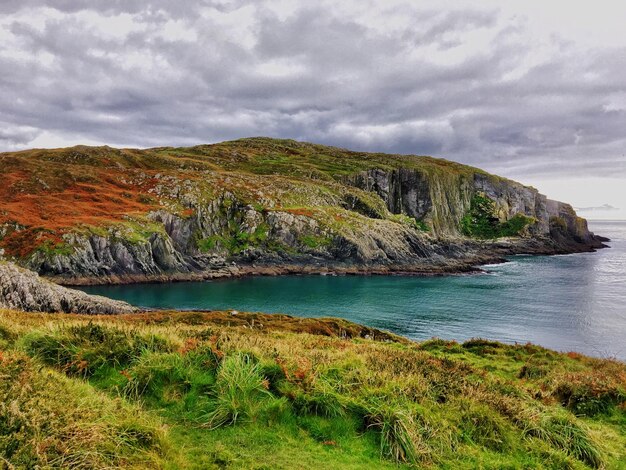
<point x="261" y="205"/>
<point x="443" y="199"/>
<point x="21" y="289"/>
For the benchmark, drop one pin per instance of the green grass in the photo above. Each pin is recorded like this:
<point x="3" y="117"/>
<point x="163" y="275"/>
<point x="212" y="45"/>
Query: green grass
<point x="315" y="241"/>
<point x="411" y="222"/>
<point x="212" y="390"/>
<point x="50" y="248"/>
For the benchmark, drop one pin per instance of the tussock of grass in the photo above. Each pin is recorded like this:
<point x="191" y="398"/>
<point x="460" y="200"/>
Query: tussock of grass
<point x="254" y="390"/>
<point x="399" y="439"/>
<point x="82" y="350"/>
<point x="564" y="433"/>
<point x="240" y="391"/>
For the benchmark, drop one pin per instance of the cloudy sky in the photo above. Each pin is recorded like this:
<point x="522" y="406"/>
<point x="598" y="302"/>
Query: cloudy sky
<point x="532" y="90"/>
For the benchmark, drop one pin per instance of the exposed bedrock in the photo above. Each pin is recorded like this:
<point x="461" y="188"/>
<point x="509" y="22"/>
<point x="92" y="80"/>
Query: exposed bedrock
<point x="443" y="199"/>
<point x="228" y="237"/>
<point x="21" y="289"/>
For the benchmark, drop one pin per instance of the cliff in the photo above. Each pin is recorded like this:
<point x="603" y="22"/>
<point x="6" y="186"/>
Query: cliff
<point x="98" y="214"/>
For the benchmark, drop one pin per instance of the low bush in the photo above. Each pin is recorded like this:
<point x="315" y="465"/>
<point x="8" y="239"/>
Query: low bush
<point x="481" y="220"/>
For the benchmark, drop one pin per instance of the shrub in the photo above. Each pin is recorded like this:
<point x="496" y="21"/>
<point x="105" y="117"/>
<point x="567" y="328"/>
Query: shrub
<point x="515" y="225"/>
<point x="481" y="221"/>
<point x="208" y="244"/>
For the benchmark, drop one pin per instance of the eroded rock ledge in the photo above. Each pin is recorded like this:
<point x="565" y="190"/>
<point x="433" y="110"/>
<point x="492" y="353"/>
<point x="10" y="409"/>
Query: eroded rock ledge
<point x="21" y="289"/>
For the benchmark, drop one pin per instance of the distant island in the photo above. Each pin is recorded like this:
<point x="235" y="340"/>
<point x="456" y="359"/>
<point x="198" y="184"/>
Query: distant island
<point x="89" y="215"/>
<point x="603" y="207"/>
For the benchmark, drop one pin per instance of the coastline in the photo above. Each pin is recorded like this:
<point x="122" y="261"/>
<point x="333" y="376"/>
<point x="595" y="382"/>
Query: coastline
<point x="499" y="251"/>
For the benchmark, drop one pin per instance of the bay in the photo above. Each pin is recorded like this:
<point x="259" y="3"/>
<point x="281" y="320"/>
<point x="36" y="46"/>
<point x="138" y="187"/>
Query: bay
<point x="569" y="303"/>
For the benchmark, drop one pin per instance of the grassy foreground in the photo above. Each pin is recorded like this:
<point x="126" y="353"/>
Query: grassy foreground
<point x="214" y="390"/>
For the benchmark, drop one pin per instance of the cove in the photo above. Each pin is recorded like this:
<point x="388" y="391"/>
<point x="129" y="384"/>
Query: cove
<point x="569" y="303"/>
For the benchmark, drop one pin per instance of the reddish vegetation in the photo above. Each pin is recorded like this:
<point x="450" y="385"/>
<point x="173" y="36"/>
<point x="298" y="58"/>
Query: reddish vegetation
<point x="300" y="211"/>
<point x="47" y="205"/>
<point x="187" y="213"/>
<point x="191" y="344"/>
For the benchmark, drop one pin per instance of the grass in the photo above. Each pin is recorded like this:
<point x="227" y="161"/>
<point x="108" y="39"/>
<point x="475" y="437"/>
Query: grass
<point x="215" y="390"/>
<point x="239" y="393"/>
<point x="48" y="420"/>
<point x="235" y="241"/>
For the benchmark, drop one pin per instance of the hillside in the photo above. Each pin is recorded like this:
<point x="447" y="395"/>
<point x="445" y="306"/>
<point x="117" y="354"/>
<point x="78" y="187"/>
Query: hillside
<point x="217" y="390"/>
<point x="102" y="215"/>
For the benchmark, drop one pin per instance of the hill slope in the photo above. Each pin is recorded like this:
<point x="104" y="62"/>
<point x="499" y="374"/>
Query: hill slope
<point x="216" y="390"/>
<point x="98" y="214"/>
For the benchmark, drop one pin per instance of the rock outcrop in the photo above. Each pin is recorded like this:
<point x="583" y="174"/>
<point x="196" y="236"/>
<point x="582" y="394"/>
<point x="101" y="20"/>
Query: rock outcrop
<point x="21" y="289"/>
<point x="442" y="200"/>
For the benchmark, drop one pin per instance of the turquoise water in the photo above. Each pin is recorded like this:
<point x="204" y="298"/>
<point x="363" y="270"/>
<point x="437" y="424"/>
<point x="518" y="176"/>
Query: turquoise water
<point x="568" y="303"/>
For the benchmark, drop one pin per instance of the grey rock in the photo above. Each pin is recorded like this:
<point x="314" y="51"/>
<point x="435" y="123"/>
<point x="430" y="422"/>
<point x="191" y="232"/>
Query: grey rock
<point x="21" y="289"/>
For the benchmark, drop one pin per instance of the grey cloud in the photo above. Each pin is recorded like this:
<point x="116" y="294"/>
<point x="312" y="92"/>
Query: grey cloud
<point x="312" y="75"/>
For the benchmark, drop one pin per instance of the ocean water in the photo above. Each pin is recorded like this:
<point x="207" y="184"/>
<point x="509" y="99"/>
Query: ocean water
<point x="568" y="303"/>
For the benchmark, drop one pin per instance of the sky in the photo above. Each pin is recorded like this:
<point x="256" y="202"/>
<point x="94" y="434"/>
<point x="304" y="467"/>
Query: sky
<point x="532" y="90"/>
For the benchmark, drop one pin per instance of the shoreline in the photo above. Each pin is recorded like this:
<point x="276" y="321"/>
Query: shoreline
<point x="470" y="265"/>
